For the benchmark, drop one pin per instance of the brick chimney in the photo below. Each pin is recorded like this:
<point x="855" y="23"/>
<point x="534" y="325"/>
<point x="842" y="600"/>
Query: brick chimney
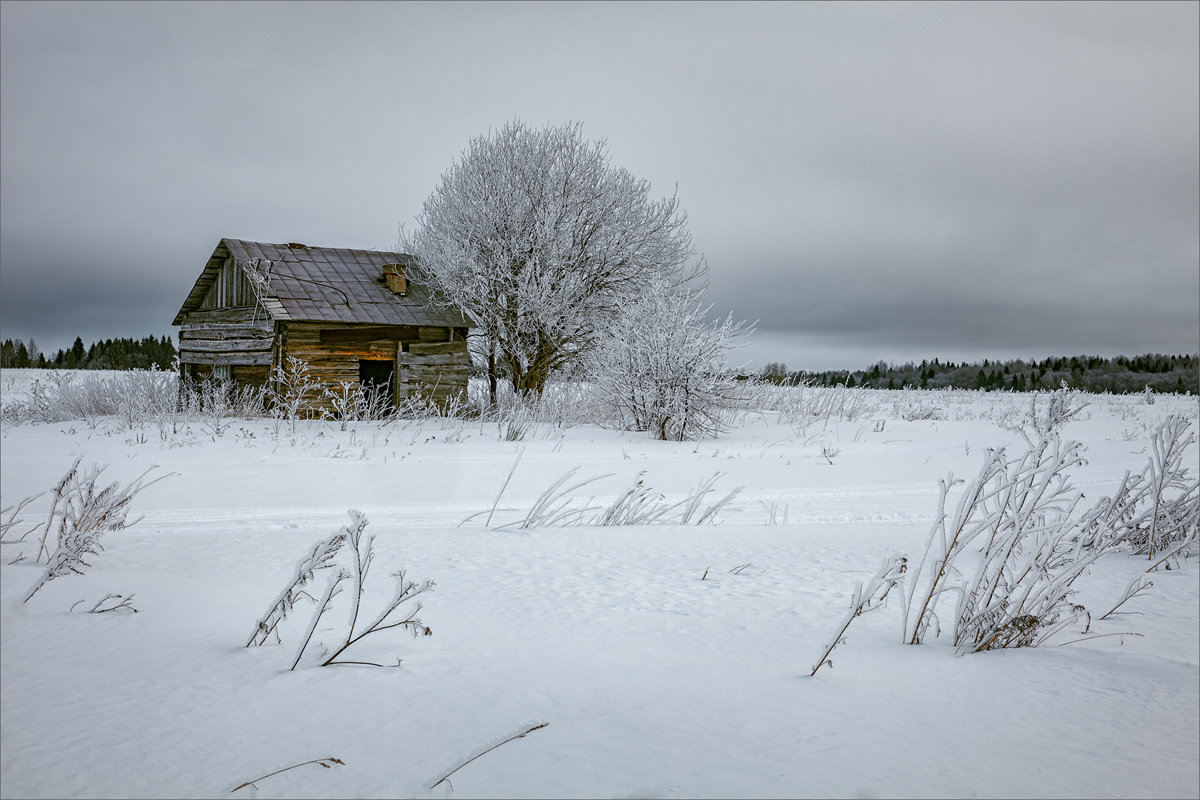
<point x="393" y="276"/>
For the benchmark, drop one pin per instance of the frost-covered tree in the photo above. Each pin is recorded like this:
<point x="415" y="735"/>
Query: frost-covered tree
<point x="541" y="240"/>
<point x="663" y="369"/>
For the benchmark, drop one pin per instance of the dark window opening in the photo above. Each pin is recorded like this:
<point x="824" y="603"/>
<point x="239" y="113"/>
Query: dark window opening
<point x="376" y="377"/>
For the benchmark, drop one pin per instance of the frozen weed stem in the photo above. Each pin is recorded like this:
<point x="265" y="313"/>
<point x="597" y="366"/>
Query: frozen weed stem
<point x="637" y="505"/>
<point x="1034" y="545"/>
<point x="360" y="556"/>
<point x="84" y="514"/>
<point x="890" y="574"/>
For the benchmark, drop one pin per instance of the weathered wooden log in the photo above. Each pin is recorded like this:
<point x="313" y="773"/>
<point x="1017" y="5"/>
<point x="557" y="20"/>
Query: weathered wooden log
<point x="437" y="349"/>
<point x="257" y="358"/>
<point x="225" y="345"/>
<point x="247" y="315"/>
<point x="432" y="362"/>
<point x="223" y="330"/>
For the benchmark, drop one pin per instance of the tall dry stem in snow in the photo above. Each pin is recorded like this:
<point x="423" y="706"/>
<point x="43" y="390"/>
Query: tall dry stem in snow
<point x="889" y="576"/>
<point x="320" y="557"/>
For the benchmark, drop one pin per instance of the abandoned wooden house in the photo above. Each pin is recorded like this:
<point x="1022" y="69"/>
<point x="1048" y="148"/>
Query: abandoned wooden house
<point x="358" y="316"/>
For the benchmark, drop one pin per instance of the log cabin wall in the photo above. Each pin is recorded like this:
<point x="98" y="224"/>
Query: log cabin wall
<point x="426" y="359"/>
<point x="439" y="371"/>
<point x="234" y="337"/>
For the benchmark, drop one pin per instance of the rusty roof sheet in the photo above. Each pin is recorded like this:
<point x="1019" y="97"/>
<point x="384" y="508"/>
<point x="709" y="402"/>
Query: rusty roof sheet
<point x="328" y="284"/>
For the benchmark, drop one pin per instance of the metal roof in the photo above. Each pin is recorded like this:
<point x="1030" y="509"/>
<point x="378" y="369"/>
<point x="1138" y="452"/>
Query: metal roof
<point x="325" y="284"/>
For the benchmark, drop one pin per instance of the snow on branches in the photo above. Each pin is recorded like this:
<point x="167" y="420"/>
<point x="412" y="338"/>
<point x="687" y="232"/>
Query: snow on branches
<point x="541" y="240"/>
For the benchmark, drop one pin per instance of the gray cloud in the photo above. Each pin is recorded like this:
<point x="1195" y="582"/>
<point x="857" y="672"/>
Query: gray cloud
<point x="870" y="180"/>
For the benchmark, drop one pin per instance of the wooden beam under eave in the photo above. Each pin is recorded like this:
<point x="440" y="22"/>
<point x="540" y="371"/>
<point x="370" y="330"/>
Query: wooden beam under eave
<point x="392" y="333"/>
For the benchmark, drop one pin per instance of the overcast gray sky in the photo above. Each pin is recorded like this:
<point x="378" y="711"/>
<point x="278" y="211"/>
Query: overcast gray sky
<point x="867" y="181"/>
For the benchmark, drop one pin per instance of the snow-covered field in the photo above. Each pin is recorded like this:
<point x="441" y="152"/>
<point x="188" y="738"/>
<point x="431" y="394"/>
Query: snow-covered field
<point x="663" y="660"/>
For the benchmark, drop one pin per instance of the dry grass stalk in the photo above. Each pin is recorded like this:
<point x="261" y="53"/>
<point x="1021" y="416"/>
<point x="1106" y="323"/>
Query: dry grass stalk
<point x="482" y="753"/>
<point x="326" y="762"/>
<point x="320" y="557"/>
<point x="361" y="556"/>
<point x="890" y="574"/>
<point x="637" y="505"/>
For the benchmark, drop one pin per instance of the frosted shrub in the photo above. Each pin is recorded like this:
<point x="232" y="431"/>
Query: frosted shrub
<point x="1021" y="521"/>
<point x="1022" y="515"/>
<point x="1047" y="412"/>
<point x="294" y="390"/>
<point x="662" y="369"/>
<point x="1157" y="512"/>
<point x="135" y="397"/>
<point x="209" y="400"/>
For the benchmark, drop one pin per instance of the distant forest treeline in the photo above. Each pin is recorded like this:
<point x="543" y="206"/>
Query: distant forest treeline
<point x="1120" y="375"/>
<point x="107" y="354"/>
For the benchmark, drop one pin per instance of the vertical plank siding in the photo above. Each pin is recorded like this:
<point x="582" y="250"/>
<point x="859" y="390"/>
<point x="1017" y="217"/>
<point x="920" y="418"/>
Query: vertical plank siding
<point x="231" y="289"/>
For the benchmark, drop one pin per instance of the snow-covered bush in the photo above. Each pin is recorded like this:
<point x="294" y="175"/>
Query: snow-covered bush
<point x="1157" y="512"/>
<point x="216" y="403"/>
<point x="1047" y="412"/>
<point x="293" y="393"/>
<point x="1022" y="516"/>
<point x="663" y="368"/>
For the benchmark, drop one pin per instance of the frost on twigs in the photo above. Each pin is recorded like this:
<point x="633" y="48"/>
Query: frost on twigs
<point x="353" y="563"/>
<point x="1032" y="539"/>
<point x="1048" y="412"/>
<point x="864" y="599"/>
<point x="80" y="514"/>
<point x="663" y="370"/>
<point x="1023" y="516"/>
<point x="637" y="505"/>
<point x="320" y="557"/>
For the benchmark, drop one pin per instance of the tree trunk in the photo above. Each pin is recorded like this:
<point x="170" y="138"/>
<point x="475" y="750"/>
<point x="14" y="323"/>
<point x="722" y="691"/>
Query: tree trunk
<point x="491" y="363"/>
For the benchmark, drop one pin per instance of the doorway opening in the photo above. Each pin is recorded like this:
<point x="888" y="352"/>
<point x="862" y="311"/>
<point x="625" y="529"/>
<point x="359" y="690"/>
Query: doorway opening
<point x="377" y="379"/>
